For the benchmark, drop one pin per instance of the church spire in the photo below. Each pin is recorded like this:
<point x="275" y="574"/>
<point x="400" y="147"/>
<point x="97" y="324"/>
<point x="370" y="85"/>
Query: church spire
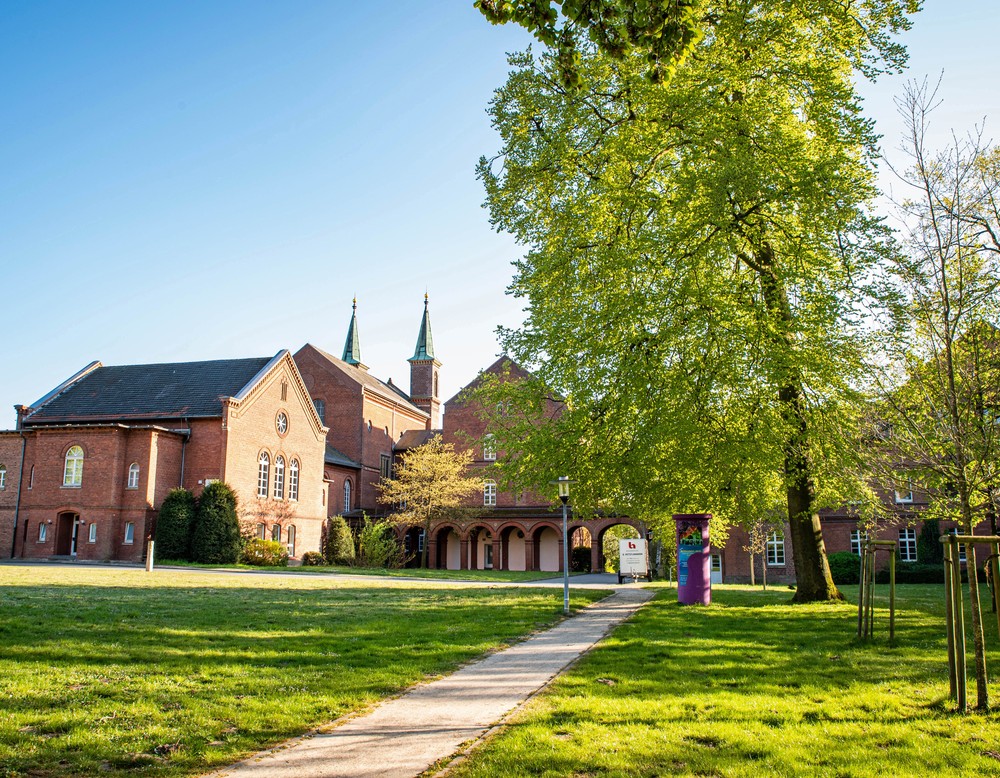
<point x="352" y="346"/>
<point x="425" y="341"/>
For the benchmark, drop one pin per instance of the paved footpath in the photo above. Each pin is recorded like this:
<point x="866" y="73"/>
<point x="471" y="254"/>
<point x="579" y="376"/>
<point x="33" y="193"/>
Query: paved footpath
<point x="404" y="736"/>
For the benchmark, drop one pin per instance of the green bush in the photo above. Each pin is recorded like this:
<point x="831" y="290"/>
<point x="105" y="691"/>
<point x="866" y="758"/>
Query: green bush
<point x="216" y="538"/>
<point x="929" y="548"/>
<point x="845" y="567"/>
<point x="264" y="553"/>
<point x="915" y="572"/>
<point x="579" y="560"/>
<point x="174" y="525"/>
<point x="312" y="559"/>
<point x="378" y="547"/>
<point x="338" y="545"/>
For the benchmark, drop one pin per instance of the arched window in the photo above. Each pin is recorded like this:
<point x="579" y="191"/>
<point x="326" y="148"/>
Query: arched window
<point x="263" y="474"/>
<point x="291" y="541"/>
<point x="489" y="493"/>
<point x="279" y="478"/>
<point x="293" y="480"/>
<point x="347" y="496"/>
<point x="489" y="449"/>
<point x="3" y="476"/>
<point x="73" y="471"/>
<point x="262" y="531"/>
<point x="276" y="532"/>
<point x="133" y="476"/>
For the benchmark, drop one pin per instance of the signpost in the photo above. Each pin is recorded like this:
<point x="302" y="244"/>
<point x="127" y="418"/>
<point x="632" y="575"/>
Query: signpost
<point x="633" y="559"/>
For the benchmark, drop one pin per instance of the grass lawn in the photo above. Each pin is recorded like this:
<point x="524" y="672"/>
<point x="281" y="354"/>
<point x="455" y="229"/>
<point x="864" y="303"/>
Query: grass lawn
<point x="754" y="686"/>
<point x="492" y="576"/>
<point x="117" y="671"/>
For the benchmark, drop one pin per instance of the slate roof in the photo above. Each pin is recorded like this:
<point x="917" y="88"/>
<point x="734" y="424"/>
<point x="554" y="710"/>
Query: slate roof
<point x="414" y="438"/>
<point x="170" y="390"/>
<point x="336" y="457"/>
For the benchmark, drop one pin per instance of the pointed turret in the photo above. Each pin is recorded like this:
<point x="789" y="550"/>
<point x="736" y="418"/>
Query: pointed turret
<point x="352" y="346"/>
<point x="424" y="371"/>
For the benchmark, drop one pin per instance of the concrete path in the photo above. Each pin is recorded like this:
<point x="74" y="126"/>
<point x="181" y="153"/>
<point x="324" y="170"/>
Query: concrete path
<point x="404" y="736"/>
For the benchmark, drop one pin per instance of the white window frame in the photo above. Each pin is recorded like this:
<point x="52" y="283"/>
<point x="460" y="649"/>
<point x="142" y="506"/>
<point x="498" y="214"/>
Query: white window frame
<point x="293" y="480"/>
<point x="347" y="495"/>
<point x="276" y="533"/>
<point x="775" y="551"/>
<point x="489" y="492"/>
<point x="261" y="531"/>
<point x="43" y="532"/>
<point x="3" y="477"/>
<point x="263" y="473"/>
<point x="129" y="533"/>
<point x="907" y="544"/>
<point x="489" y="449"/>
<point x="858" y="540"/>
<point x="905" y="498"/>
<point x="73" y="467"/>
<point x="961" y="546"/>
<point x="279" y="478"/>
<point x="291" y="540"/>
<point x="92" y="533"/>
<point x="133" y="476"/>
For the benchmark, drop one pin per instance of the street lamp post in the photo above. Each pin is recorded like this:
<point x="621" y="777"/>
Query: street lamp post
<point x="563" y="483"/>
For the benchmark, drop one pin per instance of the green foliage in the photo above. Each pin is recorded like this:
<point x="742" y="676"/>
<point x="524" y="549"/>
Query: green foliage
<point x="264" y="553"/>
<point x="929" y="548"/>
<point x="610" y="545"/>
<point x="313" y="559"/>
<point x="338" y="543"/>
<point x="378" y="546"/>
<point x="579" y="559"/>
<point x="174" y="525"/>
<point x="845" y="567"/>
<point x="216" y="538"/>
<point x="913" y="573"/>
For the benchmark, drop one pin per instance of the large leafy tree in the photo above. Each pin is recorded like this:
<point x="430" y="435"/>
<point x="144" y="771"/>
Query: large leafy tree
<point x="429" y="483"/>
<point x="692" y="258"/>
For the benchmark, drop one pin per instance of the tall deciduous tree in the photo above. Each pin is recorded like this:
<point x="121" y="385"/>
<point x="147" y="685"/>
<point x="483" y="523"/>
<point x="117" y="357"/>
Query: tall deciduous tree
<point x="430" y="483"/>
<point x="941" y="396"/>
<point x="692" y="258"/>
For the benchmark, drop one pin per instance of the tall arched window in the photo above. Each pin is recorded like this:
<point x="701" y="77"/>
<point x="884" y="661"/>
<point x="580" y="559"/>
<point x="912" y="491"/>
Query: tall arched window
<point x="279" y="478"/>
<point x="291" y="541"/>
<point x="347" y="496"/>
<point x="276" y="533"/>
<point x="293" y="480"/>
<point x="133" y="476"/>
<point x="3" y="476"/>
<point x="489" y="493"/>
<point x="263" y="474"/>
<point x="489" y="448"/>
<point x="73" y="471"/>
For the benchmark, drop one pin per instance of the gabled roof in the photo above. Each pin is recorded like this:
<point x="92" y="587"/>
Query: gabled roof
<point x="414" y="438"/>
<point x="501" y="366"/>
<point x="158" y="391"/>
<point x="366" y="380"/>
<point x="336" y="457"/>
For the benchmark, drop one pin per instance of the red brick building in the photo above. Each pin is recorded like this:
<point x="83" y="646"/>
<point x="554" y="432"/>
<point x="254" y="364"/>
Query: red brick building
<point x="102" y="450"/>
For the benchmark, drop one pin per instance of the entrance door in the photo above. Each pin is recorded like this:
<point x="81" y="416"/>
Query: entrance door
<point x="716" y="568"/>
<point x="66" y="534"/>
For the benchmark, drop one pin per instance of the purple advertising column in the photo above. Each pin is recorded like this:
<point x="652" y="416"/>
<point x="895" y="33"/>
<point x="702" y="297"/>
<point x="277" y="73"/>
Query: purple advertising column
<point x="694" y="561"/>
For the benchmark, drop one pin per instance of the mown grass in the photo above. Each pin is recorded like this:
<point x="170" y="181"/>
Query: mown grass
<point x="490" y="576"/>
<point x="121" y="672"/>
<point x="755" y="686"/>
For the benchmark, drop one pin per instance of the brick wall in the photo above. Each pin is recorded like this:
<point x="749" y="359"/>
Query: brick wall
<point x="10" y="459"/>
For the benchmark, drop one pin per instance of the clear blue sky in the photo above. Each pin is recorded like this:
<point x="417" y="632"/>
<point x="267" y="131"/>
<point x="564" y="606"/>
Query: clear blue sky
<point x="203" y="180"/>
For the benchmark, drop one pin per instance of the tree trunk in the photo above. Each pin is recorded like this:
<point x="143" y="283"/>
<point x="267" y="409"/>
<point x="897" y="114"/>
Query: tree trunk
<point x="427" y="543"/>
<point x="978" y="641"/>
<point x="753" y="564"/>
<point x="812" y="571"/>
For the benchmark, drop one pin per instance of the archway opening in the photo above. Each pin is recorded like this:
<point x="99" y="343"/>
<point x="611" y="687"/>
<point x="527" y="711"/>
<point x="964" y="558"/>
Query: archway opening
<point x="607" y="561"/>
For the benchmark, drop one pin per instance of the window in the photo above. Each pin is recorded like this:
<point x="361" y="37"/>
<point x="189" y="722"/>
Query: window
<point x="73" y="471"/>
<point x="279" y="478"/>
<point x="263" y="474"/>
<point x="31" y="477"/>
<point x="908" y="545"/>
<point x="905" y="496"/>
<point x="489" y="493"/>
<point x="858" y="540"/>
<point x="347" y="496"/>
<point x="284" y="391"/>
<point x="489" y="449"/>
<point x="3" y="476"/>
<point x="775" y="549"/>
<point x="961" y="546"/>
<point x="320" y="410"/>
<point x="261" y="531"/>
<point x="92" y="538"/>
<point x="291" y="541"/>
<point x="420" y="541"/>
<point x="293" y="480"/>
<point x="133" y="476"/>
<point x="281" y="423"/>
<point x="43" y="532"/>
<point x="276" y="533"/>
<point x="385" y="466"/>
<point x="129" y="533"/>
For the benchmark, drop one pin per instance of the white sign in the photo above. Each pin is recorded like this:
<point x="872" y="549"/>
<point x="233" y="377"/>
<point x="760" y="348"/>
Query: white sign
<point x="633" y="558"/>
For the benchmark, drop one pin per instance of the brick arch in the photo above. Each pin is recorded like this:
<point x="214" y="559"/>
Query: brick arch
<point x="599" y="527"/>
<point x="441" y="553"/>
<point x="516" y="549"/>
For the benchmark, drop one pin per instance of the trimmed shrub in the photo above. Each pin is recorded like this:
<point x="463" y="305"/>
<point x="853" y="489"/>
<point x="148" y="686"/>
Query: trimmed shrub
<point x="338" y="547"/>
<point x="579" y="560"/>
<point x="216" y="539"/>
<point x="913" y="572"/>
<point x="174" y="525"/>
<point x="378" y="547"/>
<point x="929" y="548"/>
<point x="312" y="559"/>
<point x="264" y="553"/>
<point x="845" y="567"/>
